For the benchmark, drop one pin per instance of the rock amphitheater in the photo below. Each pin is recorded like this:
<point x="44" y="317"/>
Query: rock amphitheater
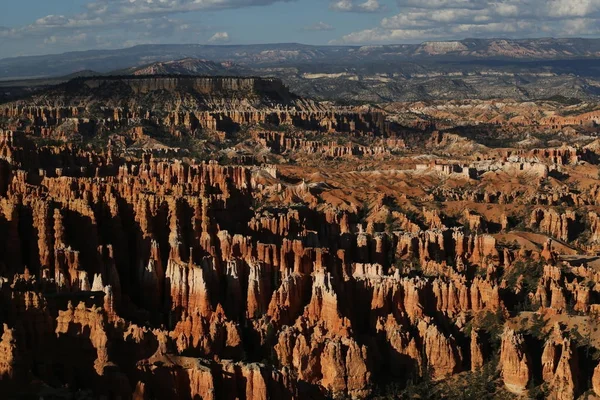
<point x="222" y="238"/>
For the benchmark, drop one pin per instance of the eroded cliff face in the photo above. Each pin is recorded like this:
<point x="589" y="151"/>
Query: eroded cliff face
<point x="181" y="106"/>
<point x="204" y="85"/>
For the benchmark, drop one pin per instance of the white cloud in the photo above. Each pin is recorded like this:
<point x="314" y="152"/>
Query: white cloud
<point x="572" y="8"/>
<point x="319" y="26"/>
<point x="342" y="5"/>
<point x="219" y="37"/>
<point x="352" y="6"/>
<point x="116" y="23"/>
<point x="370" y="6"/>
<point x="455" y="19"/>
<point x="68" y="39"/>
<point x="5" y="32"/>
<point x="438" y="4"/>
<point x="141" y="7"/>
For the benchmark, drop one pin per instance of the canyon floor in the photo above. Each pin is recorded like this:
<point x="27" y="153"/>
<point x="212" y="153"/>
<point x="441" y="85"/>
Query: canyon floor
<point x="183" y="237"/>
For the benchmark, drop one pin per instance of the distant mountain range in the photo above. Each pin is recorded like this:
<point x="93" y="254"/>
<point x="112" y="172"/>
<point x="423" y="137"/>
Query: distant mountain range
<point x="286" y="54"/>
<point x="472" y="68"/>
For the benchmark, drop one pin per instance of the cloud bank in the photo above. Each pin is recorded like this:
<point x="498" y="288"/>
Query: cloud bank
<point x="122" y="23"/>
<point x="118" y="23"/>
<point x="455" y="19"/>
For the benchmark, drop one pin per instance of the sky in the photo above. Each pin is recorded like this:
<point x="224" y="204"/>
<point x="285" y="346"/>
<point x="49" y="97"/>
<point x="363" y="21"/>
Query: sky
<point x="33" y="27"/>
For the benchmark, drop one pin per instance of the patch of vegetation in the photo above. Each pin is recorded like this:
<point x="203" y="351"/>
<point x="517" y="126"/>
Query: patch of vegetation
<point x="537" y="327"/>
<point x="586" y="109"/>
<point x="531" y="273"/>
<point x="391" y="223"/>
<point x="491" y="323"/>
<point x="540" y="392"/>
<point x="40" y="142"/>
<point x="569" y="101"/>
<point x="411" y="214"/>
<point x="482" y="384"/>
<point x="363" y="212"/>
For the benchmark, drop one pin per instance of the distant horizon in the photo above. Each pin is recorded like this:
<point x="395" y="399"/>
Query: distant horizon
<point x="224" y="45"/>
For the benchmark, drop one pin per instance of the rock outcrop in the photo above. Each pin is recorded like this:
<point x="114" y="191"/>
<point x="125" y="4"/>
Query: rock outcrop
<point x="515" y="363"/>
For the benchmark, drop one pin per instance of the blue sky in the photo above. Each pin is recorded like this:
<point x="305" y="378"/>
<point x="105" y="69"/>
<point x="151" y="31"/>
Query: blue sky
<point x="30" y="27"/>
